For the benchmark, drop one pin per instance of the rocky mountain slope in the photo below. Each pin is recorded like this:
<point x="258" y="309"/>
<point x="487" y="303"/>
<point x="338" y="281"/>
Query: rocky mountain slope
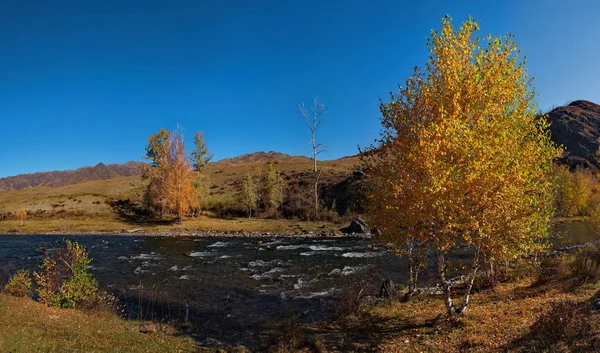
<point x="577" y="127"/>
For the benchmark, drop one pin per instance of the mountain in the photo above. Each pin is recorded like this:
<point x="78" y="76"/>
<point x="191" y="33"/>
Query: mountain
<point x="100" y="171"/>
<point x="577" y="127"/>
<point x="261" y="157"/>
<point x="103" y="171"/>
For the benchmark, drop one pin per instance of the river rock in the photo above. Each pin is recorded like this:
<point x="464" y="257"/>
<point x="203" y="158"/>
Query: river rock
<point x="388" y="290"/>
<point x="357" y="226"/>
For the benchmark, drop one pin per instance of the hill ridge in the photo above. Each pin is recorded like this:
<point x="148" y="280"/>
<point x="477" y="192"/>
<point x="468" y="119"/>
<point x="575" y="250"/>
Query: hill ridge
<point x="59" y="178"/>
<point x="576" y="126"/>
<point x="101" y="171"/>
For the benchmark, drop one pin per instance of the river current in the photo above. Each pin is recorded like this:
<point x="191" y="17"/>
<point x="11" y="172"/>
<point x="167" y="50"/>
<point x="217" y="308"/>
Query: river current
<point x="231" y="285"/>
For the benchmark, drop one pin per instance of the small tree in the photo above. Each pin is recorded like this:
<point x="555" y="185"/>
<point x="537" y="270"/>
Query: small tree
<point x="171" y="175"/>
<point x="565" y="191"/>
<point x="314" y="117"/>
<point x="248" y="196"/>
<point x="462" y="158"/>
<point x="155" y="190"/>
<point x="21" y="214"/>
<point x="65" y="281"/>
<point x="20" y="284"/>
<point x="155" y="146"/>
<point x="200" y="155"/>
<point x="272" y="189"/>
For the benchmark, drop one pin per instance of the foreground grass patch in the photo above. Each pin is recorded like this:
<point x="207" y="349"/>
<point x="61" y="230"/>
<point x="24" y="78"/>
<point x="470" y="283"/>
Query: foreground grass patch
<point x="513" y="317"/>
<point x="27" y="326"/>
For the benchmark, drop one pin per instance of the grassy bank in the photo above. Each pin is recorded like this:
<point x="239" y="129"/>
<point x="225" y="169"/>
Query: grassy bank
<point x="202" y="223"/>
<point x="118" y="203"/>
<point x="28" y="326"/>
<point x="544" y="309"/>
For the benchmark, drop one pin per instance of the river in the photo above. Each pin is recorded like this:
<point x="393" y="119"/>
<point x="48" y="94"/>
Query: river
<point x="236" y="286"/>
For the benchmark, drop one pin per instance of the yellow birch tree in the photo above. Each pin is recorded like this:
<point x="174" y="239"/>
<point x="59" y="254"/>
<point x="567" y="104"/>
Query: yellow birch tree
<point x="171" y="176"/>
<point x="462" y="159"/>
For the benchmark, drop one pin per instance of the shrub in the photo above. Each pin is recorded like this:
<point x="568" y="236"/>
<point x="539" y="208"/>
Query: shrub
<point x="586" y="264"/>
<point x="566" y="322"/>
<point x="19" y="285"/>
<point x="550" y="268"/>
<point x="64" y="280"/>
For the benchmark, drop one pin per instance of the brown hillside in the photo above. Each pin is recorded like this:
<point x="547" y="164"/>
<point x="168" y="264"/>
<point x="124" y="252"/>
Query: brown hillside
<point x="577" y="127"/>
<point x="100" y="171"/>
<point x="261" y="157"/>
<point x="120" y="199"/>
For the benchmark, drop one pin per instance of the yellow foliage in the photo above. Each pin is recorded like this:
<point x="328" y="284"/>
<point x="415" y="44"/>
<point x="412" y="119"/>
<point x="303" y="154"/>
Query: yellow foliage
<point x="462" y="158"/>
<point x="575" y="193"/>
<point x="171" y="176"/>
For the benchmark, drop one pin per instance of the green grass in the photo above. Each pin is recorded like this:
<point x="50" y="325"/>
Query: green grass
<point x="28" y="326"/>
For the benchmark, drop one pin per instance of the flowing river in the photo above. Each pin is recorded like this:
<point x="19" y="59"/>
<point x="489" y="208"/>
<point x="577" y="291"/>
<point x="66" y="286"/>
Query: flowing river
<point x="235" y="286"/>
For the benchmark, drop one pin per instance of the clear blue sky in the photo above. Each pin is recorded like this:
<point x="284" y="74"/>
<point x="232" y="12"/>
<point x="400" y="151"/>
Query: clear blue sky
<point x="83" y="82"/>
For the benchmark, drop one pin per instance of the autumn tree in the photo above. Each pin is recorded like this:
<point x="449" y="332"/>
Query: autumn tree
<point x="462" y="158"/>
<point x="200" y="157"/>
<point x="585" y="186"/>
<point x="155" y="146"/>
<point x="248" y="197"/>
<point x="315" y="117"/>
<point x="272" y="190"/>
<point x="154" y="193"/>
<point x="171" y="175"/>
<point x="565" y="197"/>
<point x="574" y="192"/>
<point x="21" y="214"/>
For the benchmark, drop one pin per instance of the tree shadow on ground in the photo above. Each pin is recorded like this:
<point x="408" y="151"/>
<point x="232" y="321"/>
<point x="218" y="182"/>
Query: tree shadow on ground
<point x="568" y="326"/>
<point x="134" y="214"/>
<point x="366" y="334"/>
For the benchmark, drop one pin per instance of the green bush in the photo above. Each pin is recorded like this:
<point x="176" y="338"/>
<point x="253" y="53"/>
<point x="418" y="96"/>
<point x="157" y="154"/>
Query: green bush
<point x="19" y="285"/>
<point x="64" y="280"/>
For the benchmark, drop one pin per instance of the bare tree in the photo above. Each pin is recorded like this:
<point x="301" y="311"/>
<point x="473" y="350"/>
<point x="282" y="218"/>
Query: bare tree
<point x="314" y="117"/>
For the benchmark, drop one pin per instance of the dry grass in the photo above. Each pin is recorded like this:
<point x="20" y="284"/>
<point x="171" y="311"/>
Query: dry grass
<point x="87" y="206"/>
<point x="27" y="326"/>
<point x="201" y="223"/>
<point x="522" y="316"/>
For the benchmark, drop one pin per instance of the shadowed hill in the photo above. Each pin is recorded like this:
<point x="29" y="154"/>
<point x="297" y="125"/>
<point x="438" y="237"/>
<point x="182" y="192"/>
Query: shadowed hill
<point x="577" y="127"/>
<point x="100" y="171"/>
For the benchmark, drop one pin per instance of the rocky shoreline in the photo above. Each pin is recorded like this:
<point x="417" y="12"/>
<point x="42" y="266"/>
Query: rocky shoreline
<point x="199" y="234"/>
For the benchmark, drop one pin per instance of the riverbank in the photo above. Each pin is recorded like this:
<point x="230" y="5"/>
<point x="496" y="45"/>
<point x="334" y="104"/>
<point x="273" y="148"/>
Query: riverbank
<point x="552" y="307"/>
<point x="28" y="326"/>
<point x="199" y="227"/>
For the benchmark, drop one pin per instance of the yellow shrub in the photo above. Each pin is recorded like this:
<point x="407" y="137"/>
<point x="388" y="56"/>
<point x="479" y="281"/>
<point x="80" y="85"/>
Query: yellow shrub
<point x="19" y="285"/>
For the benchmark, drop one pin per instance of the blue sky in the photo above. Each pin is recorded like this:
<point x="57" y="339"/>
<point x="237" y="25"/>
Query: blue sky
<point x="83" y="82"/>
